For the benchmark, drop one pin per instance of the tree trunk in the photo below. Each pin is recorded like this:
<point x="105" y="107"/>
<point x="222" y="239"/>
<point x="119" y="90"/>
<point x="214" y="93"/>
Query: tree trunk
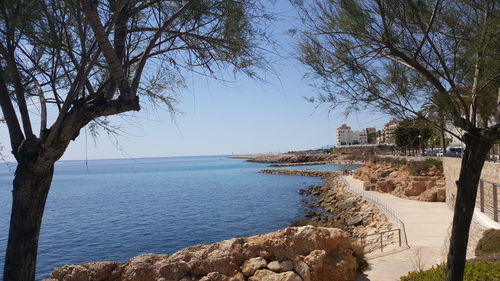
<point x="443" y="141"/>
<point x="28" y="201"/>
<point x="470" y="173"/>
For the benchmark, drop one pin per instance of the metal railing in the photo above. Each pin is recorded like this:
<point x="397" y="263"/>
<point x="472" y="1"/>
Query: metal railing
<point x="390" y="212"/>
<point x="378" y="239"/>
<point x="488" y="199"/>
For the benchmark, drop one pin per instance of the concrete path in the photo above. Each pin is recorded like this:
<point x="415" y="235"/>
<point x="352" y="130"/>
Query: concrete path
<point x="428" y="225"/>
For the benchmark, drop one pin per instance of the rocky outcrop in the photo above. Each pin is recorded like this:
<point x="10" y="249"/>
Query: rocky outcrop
<point x="294" y="254"/>
<point x="384" y="177"/>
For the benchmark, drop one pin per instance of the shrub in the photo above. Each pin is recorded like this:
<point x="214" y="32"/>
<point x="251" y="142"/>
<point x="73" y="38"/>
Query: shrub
<point x="489" y="243"/>
<point x="359" y="253"/>
<point x="418" y="167"/>
<point x="398" y="161"/>
<point x="389" y="160"/>
<point x="475" y="271"/>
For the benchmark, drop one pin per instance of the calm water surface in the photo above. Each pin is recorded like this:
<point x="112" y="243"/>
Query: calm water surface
<point x="117" y="209"/>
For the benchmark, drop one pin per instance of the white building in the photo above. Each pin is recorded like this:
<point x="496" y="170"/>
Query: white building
<point x="360" y="136"/>
<point x="343" y="135"/>
<point x="346" y="136"/>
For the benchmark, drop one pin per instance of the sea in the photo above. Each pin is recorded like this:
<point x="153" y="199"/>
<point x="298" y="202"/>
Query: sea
<point x="113" y="210"/>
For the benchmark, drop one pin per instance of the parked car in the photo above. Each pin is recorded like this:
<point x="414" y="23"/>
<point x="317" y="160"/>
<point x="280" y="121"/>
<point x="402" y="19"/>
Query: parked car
<point x="433" y="152"/>
<point x="494" y="157"/>
<point x="440" y="153"/>
<point x="455" y="150"/>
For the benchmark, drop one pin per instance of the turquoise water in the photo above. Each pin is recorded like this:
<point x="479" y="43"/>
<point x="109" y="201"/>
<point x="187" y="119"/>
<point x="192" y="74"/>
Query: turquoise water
<point x="117" y="209"/>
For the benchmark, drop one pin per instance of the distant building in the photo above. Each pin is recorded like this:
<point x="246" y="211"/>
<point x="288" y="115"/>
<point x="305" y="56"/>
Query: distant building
<point x="346" y="136"/>
<point x="372" y="135"/>
<point x="361" y="137"/>
<point x="343" y="135"/>
<point x="388" y="135"/>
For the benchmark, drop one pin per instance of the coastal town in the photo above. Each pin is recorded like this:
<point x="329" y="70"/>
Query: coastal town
<point x="388" y="135"/>
<point x="346" y="136"/>
<point x="397" y="213"/>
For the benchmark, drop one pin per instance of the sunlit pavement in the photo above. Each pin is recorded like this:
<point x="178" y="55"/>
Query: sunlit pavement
<point x="427" y="227"/>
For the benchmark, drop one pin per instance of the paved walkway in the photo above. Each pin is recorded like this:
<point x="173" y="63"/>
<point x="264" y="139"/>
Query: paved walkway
<point x="427" y="228"/>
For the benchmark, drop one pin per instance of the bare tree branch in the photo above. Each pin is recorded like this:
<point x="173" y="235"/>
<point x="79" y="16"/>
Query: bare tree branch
<point x="21" y="100"/>
<point x="152" y="42"/>
<point x="9" y="114"/>
<point x="115" y="66"/>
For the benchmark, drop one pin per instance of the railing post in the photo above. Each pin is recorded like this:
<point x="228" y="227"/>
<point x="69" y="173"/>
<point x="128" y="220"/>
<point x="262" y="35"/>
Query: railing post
<point x="406" y="236"/>
<point x="381" y="244"/>
<point x="399" y="235"/>
<point x="481" y="195"/>
<point x="495" y="202"/>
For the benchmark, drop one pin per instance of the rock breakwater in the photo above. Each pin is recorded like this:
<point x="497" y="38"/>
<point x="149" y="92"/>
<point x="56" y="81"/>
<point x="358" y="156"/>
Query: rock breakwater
<point x="294" y="254"/>
<point x="292" y="157"/>
<point x="321" y="174"/>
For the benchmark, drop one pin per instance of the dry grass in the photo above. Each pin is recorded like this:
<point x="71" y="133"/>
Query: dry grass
<point x="417" y="259"/>
<point x="488" y="247"/>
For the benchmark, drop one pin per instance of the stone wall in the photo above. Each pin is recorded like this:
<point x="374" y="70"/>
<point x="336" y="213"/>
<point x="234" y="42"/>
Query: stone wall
<point x="451" y="167"/>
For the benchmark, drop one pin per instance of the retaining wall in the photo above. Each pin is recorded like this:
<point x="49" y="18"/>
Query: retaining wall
<point x="451" y="167"/>
<point x="491" y="172"/>
<point x="488" y="199"/>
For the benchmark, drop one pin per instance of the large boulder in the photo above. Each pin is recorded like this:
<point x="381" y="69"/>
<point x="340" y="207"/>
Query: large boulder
<point x="295" y="254"/>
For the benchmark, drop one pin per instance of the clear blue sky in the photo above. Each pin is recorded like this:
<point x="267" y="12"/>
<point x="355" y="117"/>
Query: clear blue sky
<point x="242" y="117"/>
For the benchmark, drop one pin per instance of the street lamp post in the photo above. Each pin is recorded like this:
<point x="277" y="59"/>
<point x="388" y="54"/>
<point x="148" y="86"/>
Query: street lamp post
<point x="420" y="144"/>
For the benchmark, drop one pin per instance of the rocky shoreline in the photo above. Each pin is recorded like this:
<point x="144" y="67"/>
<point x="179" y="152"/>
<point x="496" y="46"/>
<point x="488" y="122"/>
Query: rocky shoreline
<point x="331" y="162"/>
<point x="320" y="247"/>
<point x="332" y="205"/>
<point x="290" y="158"/>
<point x="294" y="254"/>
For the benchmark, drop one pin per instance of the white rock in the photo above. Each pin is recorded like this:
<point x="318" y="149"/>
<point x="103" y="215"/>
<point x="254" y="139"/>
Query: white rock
<point x="267" y="275"/>
<point x="250" y="266"/>
<point x="280" y="266"/>
<point x="274" y="266"/>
